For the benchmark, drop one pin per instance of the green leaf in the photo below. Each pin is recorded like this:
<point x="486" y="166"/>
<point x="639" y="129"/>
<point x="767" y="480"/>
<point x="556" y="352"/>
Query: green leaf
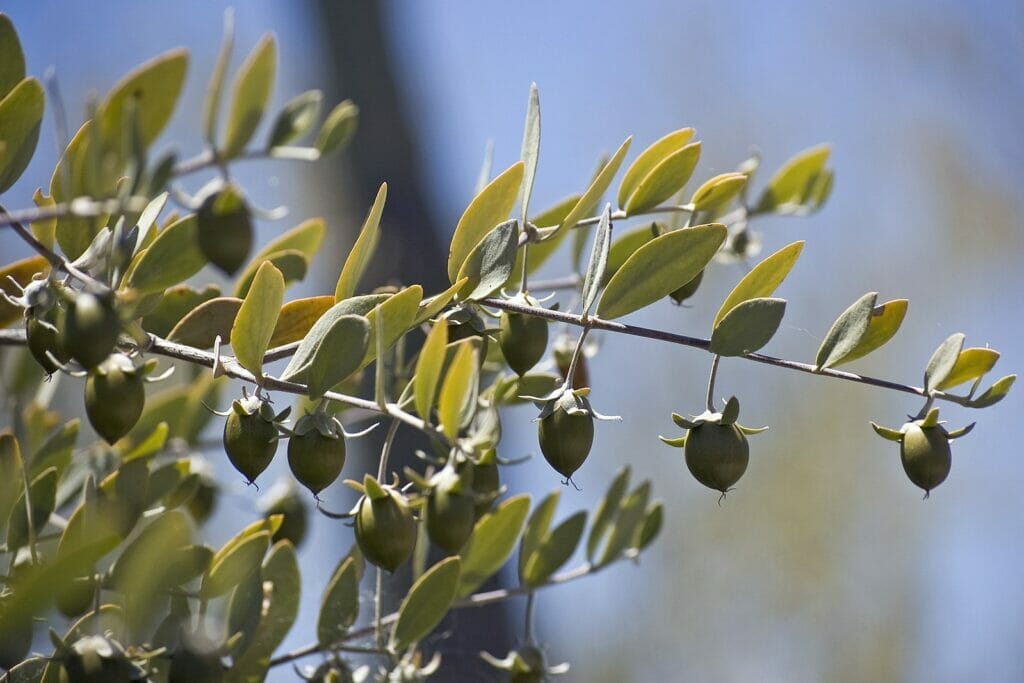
<point x="555" y="550"/>
<point x="296" y="118"/>
<point x="254" y="324"/>
<point x="292" y="263"/>
<point x="253" y="85"/>
<point x="490" y="207"/>
<point x="718" y="191"/>
<point x="152" y="444"/>
<point x="43" y="497"/>
<point x="629" y="520"/>
<point x="624" y="247"/>
<point x="884" y="323"/>
<point x="540" y="252"/>
<point x="56" y="450"/>
<point x="435" y="304"/>
<point x="12" y="59"/>
<point x="214" y="91"/>
<point x="590" y="199"/>
<point x="298" y="317"/>
<point x="429" y="367"/>
<point x="537" y="529"/>
<point x="995" y="393"/>
<point x="426" y="604"/>
<point x="489" y="265"/>
<point x="303" y="356"/>
<point x="21" y="113"/>
<point x="399" y="312"/>
<point x="510" y="389"/>
<point x="667" y="178"/>
<point x="340" y="605"/>
<point x="607" y="510"/>
<point x="148" y="95"/>
<point x="281" y="583"/>
<point x="11" y="481"/>
<point x="651" y="527"/>
<point x="67" y="182"/>
<point x="792" y="183"/>
<point x="232" y="564"/>
<point x="942" y="362"/>
<point x="338" y="355"/>
<point x="458" y="383"/>
<point x="659" y="268"/>
<point x="970" y="365"/>
<point x="748" y="327"/>
<point x="846" y="332"/>
<point x="338" y="129"/>
<point x="174" y="256"/>
<point x="366" y="244"/>
<point x="210" y="319"/>
<point x="649" y="159"/>
<point x="530" y="151"/>
<point x="493" y="540"/>
<point x="598" y="261"/>
<point x="304" y="238"/>
<point x="762" y="280"/>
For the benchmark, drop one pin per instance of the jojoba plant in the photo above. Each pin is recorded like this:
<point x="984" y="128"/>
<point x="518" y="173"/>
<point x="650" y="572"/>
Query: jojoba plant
<point x="112" y="532"/>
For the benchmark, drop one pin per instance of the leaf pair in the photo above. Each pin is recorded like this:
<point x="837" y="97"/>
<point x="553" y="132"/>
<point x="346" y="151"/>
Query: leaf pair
<point x="659" y="172"/>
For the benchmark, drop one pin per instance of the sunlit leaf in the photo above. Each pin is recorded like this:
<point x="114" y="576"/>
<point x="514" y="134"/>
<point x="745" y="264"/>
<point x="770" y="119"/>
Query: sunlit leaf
<point x="970" y="364"/>
<point x="942" y="362"/>
<point x="884" y="323"/>
<point x="490" y="263"/>
<point x="429" y="367"/>
<point x="649" y="159"/>
<point x="426" y="603"/>
<point x="295" y="118"/>
<point x="718" y="191"/>
<point x="540" y="252"/>
<point x="622" y="248"/>
<point x="530" y="151"/>
<point x="598" y="261"/>
<point x="303" y="356"/>
<point x="21" y="114"/>
<point x="174" y="256"/>
<point x="461" y="377"/>
<point x="664" y="180"/>
<point x="253" y="86"/>
<point x="592" y="196"/>
<point x="338" y="129"/>
<point x="792" y="183"/>
<point x="43" y="497"/>
<point x="490" y="207"/>
<point x="257" y="317"/>
<point x="298" y="317"/>
<point x="363" y="250"/>
<point x="339" y="607"/>
<point x="493" y="540"/>
<point x="748" y="326"/>
<point x="762" y="280"/>
<point x="629" y="519"/>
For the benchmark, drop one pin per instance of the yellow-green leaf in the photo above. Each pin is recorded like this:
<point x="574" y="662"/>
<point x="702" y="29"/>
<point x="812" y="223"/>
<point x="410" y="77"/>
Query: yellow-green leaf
<point x="426" y="604"/>
<point x="432" y="306"/>
<point x="12" y="59"/>
<point x="590" y="199"/>
<point x="173" y="256"/>
<point x="624" y="247"/>
<point x="338" y="129"/>
<point x="718" y="191"/>
<point x="885" y="322"/>
<point x="971" y="364"/>
<point x="253" y="85"/>
<point x="292" y="263"/>
<point x="257" y="317"/>
<point x="303" y="356"/>
<point x="201" y="326"/>
<point x="298" y="317"/>
<point x="542" y="251"/>
<point x="941" y="364"/>
<point x="458" y="383"/>
<point x="306" y="238"/>
<point x="660" y="267"/>
<point x="490" y="207"/>
<point x="794" y="182"/>
<point x="399" y="312"/>
<point x="21" y="113"/>
<point x="747" y="327"/>
<point x="229" y="568"/>
<point x="428" y="368"/>
<point x="338" y="355"/>
<point x="148" y="95"/>
<point x="339" y="607"/>
<point x="846" y="332"/>
<point x="44" y="230"/>
<point x="493" y="540"/>
<point x="295" y="118"/>
<point x="763" y="279"/>
<point x="664" y="180"/>
<point x="362" y="251"/>
<point x="649" y="158"/>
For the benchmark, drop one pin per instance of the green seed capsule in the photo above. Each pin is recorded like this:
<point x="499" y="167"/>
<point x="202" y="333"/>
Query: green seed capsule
<point x="386" y="529"/>
<point x="926" y="455"/>
<point x="43" y="339"/>
<point x="717" y="455"/>
<point x="316" y="460"/>
<point x="523" y="338"/>
<point x="450" y="512"/>
<point x="250" y="440"/>
<point x="565" y="440"/>
<point x="90" y="329"/>
<point x="225" y="229"/>
<point x="114" y="397"/>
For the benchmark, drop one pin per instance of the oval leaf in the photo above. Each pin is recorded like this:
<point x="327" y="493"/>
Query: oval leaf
<point x="792" y="183"/>
<point x="148" y="95"/>
<point x="624" y="247"/>
<point x="627" y="523"/>
<point x="537" y="528"/>
<point x="555" y="550"/>
<point x="490" y="207"/>
<point x="426" y="604"/>
<point x="340" y="605"/>
<point x="296" y="118"/>
<point x="970" y="365"/>
<point x="884" y="323"/>
<point x="362" y="251"/>
<point x="174" y="256"/>
<point x="338" y="129"/>
<point x="607" y="510"/>
<point x="257" y="317"/>
<point x="460" y="380"/>
<point x="489" y="265"/>
<point x="304" y="238"/>
<point x="598" y="186"/>
<point x="493" y="540"/>
<point x="21" y="113"/>
<point x="598" y="260"/>
<point x="298" y="317"/>
<point x="435" y="304"/>
<point x="21" y="272"/>
<point x="649" y="158"/>
<point x="206" y="321"/>
<point x="303" y="356"/>
<point x="175" y="304"/>
<point x="664" y="180"/>
<point x="399" y="311"/>
<point x="846" y="332"/>
<point x="748" y="327"/>
<point x="530" y="151"/>
<point x="231" y="568"/>
<point x="12" y="59"/>
<point x="718" y="191"/>
<point x="660" y="267"/>
<point x="942" y="362"/>
<point x="762" y="280"/>
<point x="339" y="354"/>
<point x="428" y="368"/>
<point x="253" y="85"/>
<point x="43" y="498"/>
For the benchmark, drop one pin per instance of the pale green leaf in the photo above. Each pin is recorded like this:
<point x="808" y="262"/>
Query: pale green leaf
<point x="660" y="267"/>
<point x="942" y="362"/>
<point x="792" y="183"/>
<point x="257" y="317"/>
<point x="12" y="59"/>
<point x="21" y="114"/>
<point x="718" y="191"/>
<point x="846" y="332"/>
<point x="426" y="604"/>
<point x="338" y="355"/>
<point x="204" y="323"/>
<point x="298" y="317"/>
<point x="462" y="375"/>
<point x="296" y="118"/>
<point x="174" y="256"/>
<point x="228" y="569"/>
<point x="590" y="199"/>
<point x="995" y="393"/>
<point x="338" y="129"/>
<point x="530" y="151"/>
<point x="970" y="365"/>
<point x="429" y="367"/>
<point x="624" y="247"/>
<point x="490" y="263"/>
<point x="435" y="304"/>
<point x="884" y="323"/>
<point x="606" y="512"/>
<point x="748" y="326"/>
<point x="490" y="207"/>
<point x="214" y="91"/>
<point x="148" y="94"/>
<point x="762" y="280"/>
<point x="339" y="607"/>
<point x="363" y="250"/>
<point x="664" y="180"/>
<point x="400" y="310"/>
<point x="537" y="528"/>
<point x="311" y="340"/>
<point x="555" y="550"/>
<point x="651" y="527"/>
<point x="649" y="158"/>
<point x="304" y="238"/>
<point x="598" y="261"/>
<point x="253" y="85"/>
<point x="493" y="540"/>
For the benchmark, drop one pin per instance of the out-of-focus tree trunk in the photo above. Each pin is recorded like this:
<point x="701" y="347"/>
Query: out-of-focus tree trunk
<point x="384" y="149"/>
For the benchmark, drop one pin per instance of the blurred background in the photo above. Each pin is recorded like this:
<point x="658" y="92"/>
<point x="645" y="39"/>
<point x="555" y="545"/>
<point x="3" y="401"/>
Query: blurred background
<point x="824" y="564"/>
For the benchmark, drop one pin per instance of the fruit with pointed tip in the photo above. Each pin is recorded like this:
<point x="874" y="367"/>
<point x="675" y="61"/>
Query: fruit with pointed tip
<point x="385" y="526"/>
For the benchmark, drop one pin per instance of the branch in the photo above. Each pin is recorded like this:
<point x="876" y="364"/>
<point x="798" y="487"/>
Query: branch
<point x="704" y="344"/>
<point x="475" y="600"/>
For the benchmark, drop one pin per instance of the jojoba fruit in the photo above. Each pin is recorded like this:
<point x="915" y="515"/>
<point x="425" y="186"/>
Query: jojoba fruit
<point x="225" y="229"/>
<point x="316" y="460"/>
<point x="90" y="329"/>
<point x="42" y="338"/>
<point x="717" y="454"/>
<point x="523" y="338"/>
<point x="565" y="440"/>
<point x="250" y="437"/>
<point x="385" y="528"/>
<point x="450" y="512"/>
<point x="486" y="482"/>
<point x="114" y="397"/>
<point x="926" y="455"/>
